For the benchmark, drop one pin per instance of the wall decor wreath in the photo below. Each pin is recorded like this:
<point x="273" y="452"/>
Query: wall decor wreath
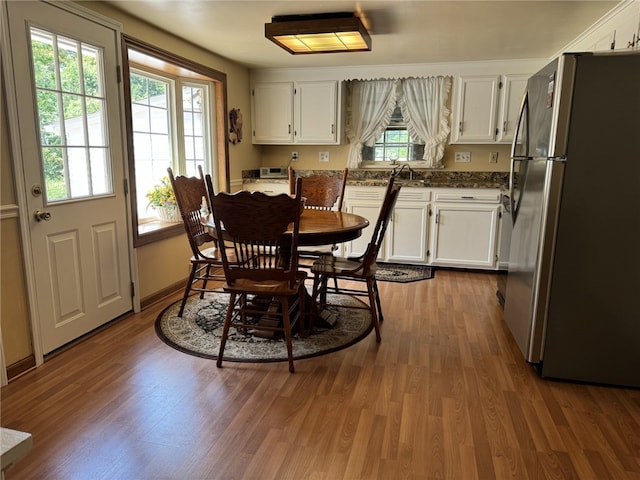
<point x="235" y="125"/>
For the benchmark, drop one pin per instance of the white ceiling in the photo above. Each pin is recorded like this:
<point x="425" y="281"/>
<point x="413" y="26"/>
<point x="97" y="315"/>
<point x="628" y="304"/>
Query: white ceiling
<point x="402" y="32"/>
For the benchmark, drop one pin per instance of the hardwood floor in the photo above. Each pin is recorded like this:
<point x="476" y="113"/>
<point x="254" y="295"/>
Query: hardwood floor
<point x="446" y="394"/>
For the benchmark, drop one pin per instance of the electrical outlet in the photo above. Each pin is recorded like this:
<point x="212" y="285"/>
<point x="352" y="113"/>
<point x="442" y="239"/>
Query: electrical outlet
<point x="294" y="156"/>
<point x="463" y="157"/>
<point x="323" y="156"/>
<point x="493" y="157"/>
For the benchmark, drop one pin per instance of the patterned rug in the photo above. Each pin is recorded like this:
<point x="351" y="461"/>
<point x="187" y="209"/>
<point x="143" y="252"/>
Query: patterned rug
<point x="398" y="272"/>
<point x="198" y="332"/>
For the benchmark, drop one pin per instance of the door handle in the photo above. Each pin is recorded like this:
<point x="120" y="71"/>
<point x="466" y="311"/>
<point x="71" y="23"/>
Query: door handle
<point x="42" y="215"/>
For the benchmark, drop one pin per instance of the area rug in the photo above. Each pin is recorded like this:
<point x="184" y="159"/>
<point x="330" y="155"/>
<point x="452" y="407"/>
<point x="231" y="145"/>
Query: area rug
<point x="398" y="272"/>
<point x="198" y="331"/>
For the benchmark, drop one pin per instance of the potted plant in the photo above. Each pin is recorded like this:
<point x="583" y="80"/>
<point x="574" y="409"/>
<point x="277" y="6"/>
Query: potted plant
<point x="163" y="200"/>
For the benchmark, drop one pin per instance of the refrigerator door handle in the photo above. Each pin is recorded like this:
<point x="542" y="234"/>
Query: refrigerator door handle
<point x="524" y="113"/>
<point x="512" y="187"/>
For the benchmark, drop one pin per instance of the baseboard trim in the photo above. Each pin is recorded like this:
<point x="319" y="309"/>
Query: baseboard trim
<point x="162" y="294"/>
<point x="16" y="369"/>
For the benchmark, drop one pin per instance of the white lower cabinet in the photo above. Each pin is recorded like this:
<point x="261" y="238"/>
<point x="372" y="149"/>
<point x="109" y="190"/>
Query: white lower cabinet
<point x="407" y="232"/>
<point x="452" y="227"/>
<point x="465" y="229"/>
<point x="271" y="188"/>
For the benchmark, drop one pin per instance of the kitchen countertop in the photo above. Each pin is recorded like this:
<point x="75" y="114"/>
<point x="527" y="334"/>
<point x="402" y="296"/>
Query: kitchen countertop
<point x="15" y="445"/>
<point x="421" y="178"/>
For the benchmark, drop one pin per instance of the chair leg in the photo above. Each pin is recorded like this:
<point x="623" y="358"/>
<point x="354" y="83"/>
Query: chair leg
<point x="373" y="309"/>
<point x="225" y="328"/>
<point x="302" y="312"/>
<point x="375" y="285"/>
<point x="187" y="290"/>
<point x="284" y="302"/>
<point x="207" y="274"/>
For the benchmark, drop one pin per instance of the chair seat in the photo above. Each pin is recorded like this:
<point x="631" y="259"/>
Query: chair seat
<point x="337" y="266"/>
<point x="212" y="253"/>
<point x="266" y="287"/>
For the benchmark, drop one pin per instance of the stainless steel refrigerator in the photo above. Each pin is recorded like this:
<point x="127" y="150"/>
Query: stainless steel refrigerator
<point x="573" y="285"/>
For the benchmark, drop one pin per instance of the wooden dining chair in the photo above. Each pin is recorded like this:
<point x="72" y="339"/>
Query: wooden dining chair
<point x="361" y="269"/>
<point x="255" y="226"/>
<point x="320" y="192"/>
<point x="206" y="262"/>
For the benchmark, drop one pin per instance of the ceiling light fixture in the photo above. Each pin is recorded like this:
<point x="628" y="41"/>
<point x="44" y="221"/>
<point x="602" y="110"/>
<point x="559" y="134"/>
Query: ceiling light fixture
<point x="318" y="33"/>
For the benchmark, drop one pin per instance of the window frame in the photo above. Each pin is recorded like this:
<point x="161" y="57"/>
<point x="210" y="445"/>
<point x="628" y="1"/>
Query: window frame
<point x="160" y="60"/>
<point x="381" y="142"/>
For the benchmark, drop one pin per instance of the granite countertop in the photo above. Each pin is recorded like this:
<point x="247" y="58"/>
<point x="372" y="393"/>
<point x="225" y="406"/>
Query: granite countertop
<point x="421" y="178"/>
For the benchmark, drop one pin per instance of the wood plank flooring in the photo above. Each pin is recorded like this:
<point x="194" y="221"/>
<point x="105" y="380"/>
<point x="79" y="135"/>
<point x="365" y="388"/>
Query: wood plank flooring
<point x="446" y="395"/>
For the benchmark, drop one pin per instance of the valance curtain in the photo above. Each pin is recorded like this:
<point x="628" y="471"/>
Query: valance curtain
<point x="423" y="106"/>
<point x="371" y="106"/>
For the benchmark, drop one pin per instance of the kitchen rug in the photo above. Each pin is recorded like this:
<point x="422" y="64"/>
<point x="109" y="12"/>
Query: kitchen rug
<point x="198" y="331"/>
<point x="398" y="272"/>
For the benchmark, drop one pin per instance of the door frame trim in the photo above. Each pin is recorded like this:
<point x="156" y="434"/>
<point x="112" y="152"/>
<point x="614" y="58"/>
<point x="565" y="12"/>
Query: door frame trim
<point x="17" y="156"/>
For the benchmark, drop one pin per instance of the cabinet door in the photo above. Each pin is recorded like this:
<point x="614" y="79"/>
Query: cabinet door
<point x="627" y="32"/>
<point x="368" y="210"/>
<point x="476" y="109"/>
<point x="465" y="235"/>
<point x="406" y="234"/>
<point x="513" y="87"/>
<point x="315" y="112"/>
<point x="270" y="188"/>
<point x="272" y="113"/>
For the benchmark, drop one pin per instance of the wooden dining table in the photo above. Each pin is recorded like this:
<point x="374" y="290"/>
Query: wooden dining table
<point x="319" y="227"/>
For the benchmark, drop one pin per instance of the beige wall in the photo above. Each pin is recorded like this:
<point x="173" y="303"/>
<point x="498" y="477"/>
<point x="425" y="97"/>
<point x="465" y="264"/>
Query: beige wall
<point x="14" y="314"/>
<point x="161" y="264"/>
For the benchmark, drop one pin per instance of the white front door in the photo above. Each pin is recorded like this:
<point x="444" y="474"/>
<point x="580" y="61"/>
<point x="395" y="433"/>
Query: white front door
<point x="70" y="153"/>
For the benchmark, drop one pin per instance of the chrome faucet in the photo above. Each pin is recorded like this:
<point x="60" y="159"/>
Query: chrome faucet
<point x="396" y="172"/>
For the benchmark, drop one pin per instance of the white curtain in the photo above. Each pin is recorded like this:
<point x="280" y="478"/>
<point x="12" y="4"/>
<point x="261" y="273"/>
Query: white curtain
<point x="423" y="105"/>
<point x="371" y="106"/>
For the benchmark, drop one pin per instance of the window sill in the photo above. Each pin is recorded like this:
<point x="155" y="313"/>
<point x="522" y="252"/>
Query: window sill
<point x="156" y="230"/>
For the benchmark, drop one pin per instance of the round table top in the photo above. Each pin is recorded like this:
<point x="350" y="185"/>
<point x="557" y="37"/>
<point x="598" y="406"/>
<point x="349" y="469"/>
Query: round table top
<point x="323" y="227"/>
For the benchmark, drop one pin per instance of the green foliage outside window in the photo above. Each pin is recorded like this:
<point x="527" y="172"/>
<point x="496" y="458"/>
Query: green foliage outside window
<point x="73" y="100"/>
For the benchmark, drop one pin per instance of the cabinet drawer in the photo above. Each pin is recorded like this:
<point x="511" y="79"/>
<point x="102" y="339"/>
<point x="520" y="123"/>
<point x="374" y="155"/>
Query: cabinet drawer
<point x="414" y="195"/>
<point x="407" y="194"/>
<point x="468" y="197"/>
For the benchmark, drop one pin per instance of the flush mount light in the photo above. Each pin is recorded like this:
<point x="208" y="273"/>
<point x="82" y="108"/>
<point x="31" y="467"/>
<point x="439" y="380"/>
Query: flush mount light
<point x="319" y="33"/>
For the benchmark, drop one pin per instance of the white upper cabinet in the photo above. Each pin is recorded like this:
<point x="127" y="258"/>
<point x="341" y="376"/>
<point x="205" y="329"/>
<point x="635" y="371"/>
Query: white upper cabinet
<point x="617" y="30"/>
<point x="272" y="112"/>
<point x="486" y="108"/>
<point x="315" y="112"/>
<point x="511" y="94"/>
<point x="476" y="109"/>
<point x="285" y="113"/>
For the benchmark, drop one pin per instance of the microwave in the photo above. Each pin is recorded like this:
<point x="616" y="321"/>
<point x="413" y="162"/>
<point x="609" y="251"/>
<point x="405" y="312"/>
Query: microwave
<point x="274" y="172"/>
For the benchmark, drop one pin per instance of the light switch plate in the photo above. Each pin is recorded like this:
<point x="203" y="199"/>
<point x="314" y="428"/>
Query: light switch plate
<point x="463" y="157"/>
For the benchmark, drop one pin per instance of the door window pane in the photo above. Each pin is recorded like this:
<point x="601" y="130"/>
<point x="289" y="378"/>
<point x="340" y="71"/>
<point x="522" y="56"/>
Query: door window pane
<point x="71" y="111"/>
